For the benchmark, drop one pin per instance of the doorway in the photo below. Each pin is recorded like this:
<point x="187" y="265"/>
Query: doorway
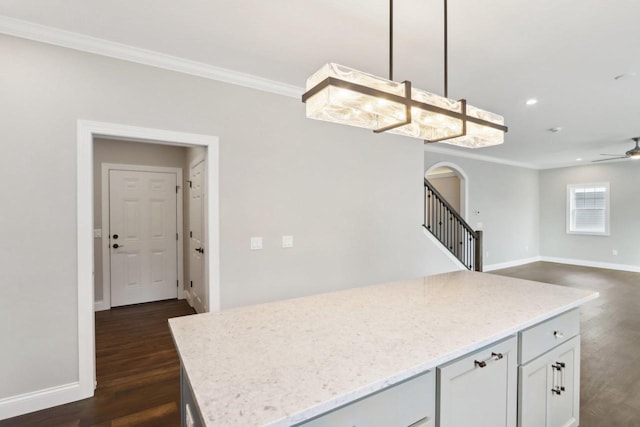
<point x="87" y="132"/>
<point x="451" y="182"/>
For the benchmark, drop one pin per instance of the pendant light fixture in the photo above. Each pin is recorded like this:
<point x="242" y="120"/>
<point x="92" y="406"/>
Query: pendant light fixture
<point x="339" y="94"/>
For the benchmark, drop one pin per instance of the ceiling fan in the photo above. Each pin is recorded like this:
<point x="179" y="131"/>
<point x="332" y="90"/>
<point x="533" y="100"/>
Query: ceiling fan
<point x="634" y="153"/>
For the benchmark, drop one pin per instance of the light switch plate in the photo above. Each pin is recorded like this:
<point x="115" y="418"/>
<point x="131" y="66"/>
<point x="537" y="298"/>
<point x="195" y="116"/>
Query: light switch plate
<point x="256" y="243"/>
<point x="97" y="233"/>
<point x="287" y="241"/>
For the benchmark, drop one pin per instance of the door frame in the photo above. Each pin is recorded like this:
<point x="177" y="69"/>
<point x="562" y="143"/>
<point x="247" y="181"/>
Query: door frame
<point x="105" y="304"/>
<point x="86" y="132"/>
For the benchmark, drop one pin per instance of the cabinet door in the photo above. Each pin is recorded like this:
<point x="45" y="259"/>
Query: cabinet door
<point x="549" y="393"/>
<point x="190" y="417"/>
<point x="408" y="404"/>
<point x="480" y="389"/>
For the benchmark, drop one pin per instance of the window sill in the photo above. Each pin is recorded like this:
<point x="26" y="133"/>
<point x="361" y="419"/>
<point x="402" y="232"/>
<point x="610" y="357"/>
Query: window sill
<point x="589" y="233"/>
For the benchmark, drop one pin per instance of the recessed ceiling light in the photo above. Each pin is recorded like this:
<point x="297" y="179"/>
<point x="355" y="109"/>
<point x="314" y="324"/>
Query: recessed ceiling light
<point x="579" y="159"/>
<point x="555" y="129"/>
<point x="531" y="101"/>
<point x="625" y="76"/>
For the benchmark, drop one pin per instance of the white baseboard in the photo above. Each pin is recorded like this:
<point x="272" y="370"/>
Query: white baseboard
<point x="508" y="264"/>
<point x="188" y="297"/>
<point x="40" y="399"/>
<point x="596" y="264"/>
<point x="100" y="306"/>
<point x="456" y="261"/>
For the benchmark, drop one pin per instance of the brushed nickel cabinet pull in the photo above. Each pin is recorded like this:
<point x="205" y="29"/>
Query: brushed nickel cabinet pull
<point x="483" y="363"/>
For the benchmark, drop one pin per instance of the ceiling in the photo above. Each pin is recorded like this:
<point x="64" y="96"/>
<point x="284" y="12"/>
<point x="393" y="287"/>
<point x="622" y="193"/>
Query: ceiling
<point x="565" y="53"/>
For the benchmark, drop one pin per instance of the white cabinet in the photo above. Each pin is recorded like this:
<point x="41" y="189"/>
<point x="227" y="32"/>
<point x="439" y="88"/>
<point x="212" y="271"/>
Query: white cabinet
<point x="408" y="404"/>
<point x="189" y="413"/>
<point x="549" y="394"/>
<point x="480" y="389"/>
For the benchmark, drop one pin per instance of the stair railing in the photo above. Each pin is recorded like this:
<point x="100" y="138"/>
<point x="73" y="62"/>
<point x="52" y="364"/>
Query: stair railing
<point x="442" y="220"/>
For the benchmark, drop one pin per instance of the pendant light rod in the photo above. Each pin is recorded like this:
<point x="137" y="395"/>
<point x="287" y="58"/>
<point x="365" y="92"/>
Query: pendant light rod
<point x="391" y="40"/>
<point x="446" y="53"/>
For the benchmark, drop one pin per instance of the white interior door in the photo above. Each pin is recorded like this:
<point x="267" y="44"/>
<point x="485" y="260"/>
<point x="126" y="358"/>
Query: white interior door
<point x="196" y="238"/>
<point x="143" y="236"/>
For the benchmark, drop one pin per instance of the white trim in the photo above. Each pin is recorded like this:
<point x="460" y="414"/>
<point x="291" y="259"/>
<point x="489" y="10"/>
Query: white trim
<point x="101" y="305"/>
<point x="438" y="148"/>
<point x="188" y="297"/>
<point x="464" y="184"/>
<point x="41" y="33"/>
<point x="36" y="400"/>
<point x="570" y="199"/>
<point x="87" y="131"/>
<point x="457" y="263"/>
<point x="509" y="264"/>
<point x="106" y="271"/>
<point x="596" y="264"/>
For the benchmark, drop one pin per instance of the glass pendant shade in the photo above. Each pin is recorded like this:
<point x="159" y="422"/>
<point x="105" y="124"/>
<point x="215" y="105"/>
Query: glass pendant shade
<point x="349" y="106"/>
<point x="479" y="135"/>
<point x="339" y="94"/>
<point x="429" y="125"/>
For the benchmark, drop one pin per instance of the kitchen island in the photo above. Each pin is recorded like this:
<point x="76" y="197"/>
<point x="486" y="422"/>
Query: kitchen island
<point x="288" y="362"/>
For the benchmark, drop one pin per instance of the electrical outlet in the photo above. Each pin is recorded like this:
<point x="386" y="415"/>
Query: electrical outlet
<point x="97" y="233"/>
<point x="287" y="241"/>
<point x="614" y="252"/>
<point x="479" y="225"/>
<point x="486" y="254"/>
<point x="256" y="243"/>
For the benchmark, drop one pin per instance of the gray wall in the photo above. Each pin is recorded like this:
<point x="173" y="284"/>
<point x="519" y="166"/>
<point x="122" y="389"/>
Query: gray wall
<point x="351" y="199"/>
<point x="449" y="188"/>
<point x="624" y="178"/>
<point x="131" y="153"/>
<point x="507" y="199"/>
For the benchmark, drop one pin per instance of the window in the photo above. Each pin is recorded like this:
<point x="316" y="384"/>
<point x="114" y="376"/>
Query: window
<point x="588" y="209"/>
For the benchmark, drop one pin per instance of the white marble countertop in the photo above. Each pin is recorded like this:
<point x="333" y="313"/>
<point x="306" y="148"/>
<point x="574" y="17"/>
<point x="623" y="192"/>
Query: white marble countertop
<point x="280" y="363"/>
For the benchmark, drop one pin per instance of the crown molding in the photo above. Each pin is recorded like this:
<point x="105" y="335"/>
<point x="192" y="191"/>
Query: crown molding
<point x="41" y="33"/>
<point x="438" y="148"/>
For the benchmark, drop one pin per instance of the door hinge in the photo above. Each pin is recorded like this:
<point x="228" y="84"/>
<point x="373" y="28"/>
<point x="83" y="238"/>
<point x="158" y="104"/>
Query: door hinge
<point x="191" y="283"/>
<point x="190" y="184"/>
<point x="191" y="234"/>
<point x="177" y="236"/>
<point x="177" y="188"/>
<point x="177" y="283"/>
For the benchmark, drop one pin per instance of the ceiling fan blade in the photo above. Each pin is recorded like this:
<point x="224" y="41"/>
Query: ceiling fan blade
<point x="606" y="160"/>
<point x="615" y="155"/>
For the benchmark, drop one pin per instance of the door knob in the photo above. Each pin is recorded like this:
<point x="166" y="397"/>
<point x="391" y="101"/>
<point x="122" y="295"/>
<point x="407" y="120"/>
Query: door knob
<point x="115" y="236"/>
<point x="116" y="246"/>
<point x="201" y="250"/>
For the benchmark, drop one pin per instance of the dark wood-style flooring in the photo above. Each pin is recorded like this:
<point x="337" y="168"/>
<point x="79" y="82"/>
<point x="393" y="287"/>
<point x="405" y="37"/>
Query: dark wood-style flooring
<point x="138" y="373"/>
<point x="610" y="359"/>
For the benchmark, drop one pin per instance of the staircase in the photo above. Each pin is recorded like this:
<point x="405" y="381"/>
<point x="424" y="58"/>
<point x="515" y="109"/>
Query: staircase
<point x="451" y="229"/>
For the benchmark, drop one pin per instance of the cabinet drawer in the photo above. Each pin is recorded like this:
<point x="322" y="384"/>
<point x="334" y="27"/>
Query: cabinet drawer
<point x="546" y="335"/>
<point x="408" y="404"/>
<point x="480" y="389"/>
